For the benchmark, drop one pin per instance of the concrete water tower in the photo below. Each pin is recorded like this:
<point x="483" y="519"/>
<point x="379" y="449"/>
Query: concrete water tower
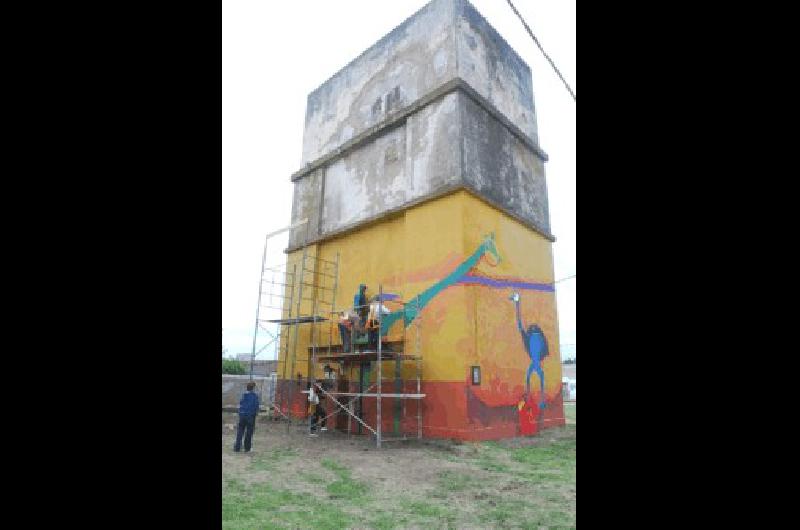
<point x="422" y="172"/>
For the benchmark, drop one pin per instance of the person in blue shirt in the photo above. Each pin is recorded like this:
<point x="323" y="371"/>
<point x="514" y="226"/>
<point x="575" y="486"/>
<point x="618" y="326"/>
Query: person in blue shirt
<point x="248" y="409"/>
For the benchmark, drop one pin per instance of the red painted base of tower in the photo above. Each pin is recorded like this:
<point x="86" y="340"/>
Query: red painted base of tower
<point x="449" y="410"/>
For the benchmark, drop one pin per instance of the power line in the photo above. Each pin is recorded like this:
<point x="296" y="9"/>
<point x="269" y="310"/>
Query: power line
<point x="535" y="40"/>
<point x="562" y="279"/>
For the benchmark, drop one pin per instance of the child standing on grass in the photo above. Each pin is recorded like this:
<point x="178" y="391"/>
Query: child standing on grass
<point x="248" y="409"/>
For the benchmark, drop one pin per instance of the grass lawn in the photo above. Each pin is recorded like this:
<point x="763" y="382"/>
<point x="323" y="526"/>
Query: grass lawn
<point x="291" y="481"/>
<point x="569" y="412"/>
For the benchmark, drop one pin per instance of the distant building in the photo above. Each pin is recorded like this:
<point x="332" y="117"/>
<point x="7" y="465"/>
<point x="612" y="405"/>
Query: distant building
<point x="568" y="370"/>
<point x="568" y="379"/>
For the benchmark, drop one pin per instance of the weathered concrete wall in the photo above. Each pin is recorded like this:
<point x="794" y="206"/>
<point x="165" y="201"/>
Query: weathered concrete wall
<point x="489" y="65"/>
<point x="446" y="39"/>
<point x="306" y="204"/>
<point x="501" y="168"/>
<point x="434" y="156"/>
<point x="402" y="165"/>
<point x="449" y="143"/>
<point x="440" y="103"/>
<point x="366" y="182"/>
<point x="406" y="64"/>
<point x="233" y="386"/>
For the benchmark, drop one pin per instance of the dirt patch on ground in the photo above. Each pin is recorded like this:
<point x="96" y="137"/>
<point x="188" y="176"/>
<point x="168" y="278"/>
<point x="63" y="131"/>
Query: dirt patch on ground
<point x="397" y="466"/>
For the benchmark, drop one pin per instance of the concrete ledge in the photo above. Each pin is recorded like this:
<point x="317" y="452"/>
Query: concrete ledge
<point x="441" y="192"/>
<point x="400" y="117"/>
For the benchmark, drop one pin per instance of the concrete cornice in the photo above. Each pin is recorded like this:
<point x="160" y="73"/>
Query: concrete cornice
<point x="441" y="192"/>
<point x="398" y="118"/>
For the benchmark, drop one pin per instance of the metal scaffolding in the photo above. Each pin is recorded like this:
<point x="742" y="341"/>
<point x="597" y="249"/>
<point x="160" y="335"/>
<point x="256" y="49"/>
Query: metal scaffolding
<point x="303" y="288"/>
<point x="377" y="352"/>
<point x="303" y="291"/>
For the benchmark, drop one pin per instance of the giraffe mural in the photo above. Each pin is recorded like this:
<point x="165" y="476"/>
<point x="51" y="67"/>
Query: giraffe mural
<point x="410" y="311"/>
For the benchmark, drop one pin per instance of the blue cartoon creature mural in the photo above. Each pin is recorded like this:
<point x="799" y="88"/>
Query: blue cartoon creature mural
<point x="536" y="345"/>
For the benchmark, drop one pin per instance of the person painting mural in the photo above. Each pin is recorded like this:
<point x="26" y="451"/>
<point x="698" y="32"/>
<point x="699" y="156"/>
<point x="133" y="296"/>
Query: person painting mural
<point x="360" y="302"/>
<point x="347" y="321"/>
<point x="351" y="322"/>
<point x="536" y="346"/>
<point x="373" y="319"/>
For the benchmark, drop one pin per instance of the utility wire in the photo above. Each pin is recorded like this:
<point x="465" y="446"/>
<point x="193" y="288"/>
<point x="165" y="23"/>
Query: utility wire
<point x="535" y="40"/>
<point x="562" y="279"/>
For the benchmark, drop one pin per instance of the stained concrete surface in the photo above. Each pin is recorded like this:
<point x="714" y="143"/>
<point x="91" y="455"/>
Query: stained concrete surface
<point x="440" y="102"/>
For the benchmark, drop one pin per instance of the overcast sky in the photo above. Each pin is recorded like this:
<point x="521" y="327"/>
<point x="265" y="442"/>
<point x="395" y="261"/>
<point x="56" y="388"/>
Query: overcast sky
<point x="275" y="53"/>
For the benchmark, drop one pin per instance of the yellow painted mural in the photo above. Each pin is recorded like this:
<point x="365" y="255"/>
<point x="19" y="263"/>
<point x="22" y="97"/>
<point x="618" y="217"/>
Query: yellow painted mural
<point x="484" y="284"/>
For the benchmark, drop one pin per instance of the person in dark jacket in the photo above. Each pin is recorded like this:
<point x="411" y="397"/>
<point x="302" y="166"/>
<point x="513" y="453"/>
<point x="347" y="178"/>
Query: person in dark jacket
<point x="360" y="303"/>
<point x="346" y="330"/>
<point x="248" y="409"/>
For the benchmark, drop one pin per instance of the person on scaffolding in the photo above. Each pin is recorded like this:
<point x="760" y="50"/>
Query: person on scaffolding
<point x="347" y="321"/>
<point x="316" y="411"/>
<point x="351" y="322"/>
<point x="373" y="323"/>
<point x="360" y="302"/>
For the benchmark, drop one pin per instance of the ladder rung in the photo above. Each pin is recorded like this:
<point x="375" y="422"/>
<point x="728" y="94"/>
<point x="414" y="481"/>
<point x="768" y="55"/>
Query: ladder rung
<point x="277" y="295"/>
<point x="271" y="307"/>
<point x="264" y="280"/>
<point x="277" y="268"/>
